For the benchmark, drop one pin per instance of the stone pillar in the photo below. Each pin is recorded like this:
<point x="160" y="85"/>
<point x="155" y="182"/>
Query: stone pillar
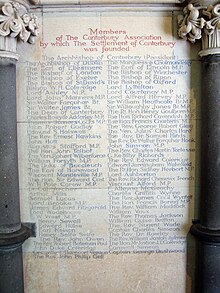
<point x="15" y="24"/>
<point x="203" y="22"/>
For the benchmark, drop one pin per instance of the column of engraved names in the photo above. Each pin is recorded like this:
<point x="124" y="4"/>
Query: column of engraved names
<point x="65" y="122"/>
<point x="149" y="124"/>
<point x="120" y="208"/>
<point x="174" y="116"/>
<point x="124" y="179"/>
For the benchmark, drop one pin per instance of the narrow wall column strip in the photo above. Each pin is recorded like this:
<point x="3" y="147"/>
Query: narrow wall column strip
<point x="203" y="22"/>
<point x="14" y="27"/>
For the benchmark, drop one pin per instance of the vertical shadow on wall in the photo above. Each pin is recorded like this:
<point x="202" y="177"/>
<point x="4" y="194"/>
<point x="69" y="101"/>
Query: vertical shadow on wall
<point x="194" y="103"/>
<point x="191" y="254"/>
<point x="191" y="260"/>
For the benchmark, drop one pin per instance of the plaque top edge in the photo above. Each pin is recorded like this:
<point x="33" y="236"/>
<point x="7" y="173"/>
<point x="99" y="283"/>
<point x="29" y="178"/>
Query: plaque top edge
<point x="101" y="2"/>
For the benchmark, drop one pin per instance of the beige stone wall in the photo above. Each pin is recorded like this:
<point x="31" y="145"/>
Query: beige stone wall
<point x="123" y="273"/>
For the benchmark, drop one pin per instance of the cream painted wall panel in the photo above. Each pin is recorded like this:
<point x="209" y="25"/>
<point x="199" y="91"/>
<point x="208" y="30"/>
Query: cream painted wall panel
<point x="165" y="273"/>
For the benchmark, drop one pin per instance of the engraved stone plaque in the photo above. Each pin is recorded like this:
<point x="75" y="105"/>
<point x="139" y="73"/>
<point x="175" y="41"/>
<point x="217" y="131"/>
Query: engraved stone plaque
<point x="107" y="126"/>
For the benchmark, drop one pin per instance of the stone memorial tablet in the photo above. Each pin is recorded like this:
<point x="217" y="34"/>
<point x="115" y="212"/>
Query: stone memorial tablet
<point x="106" y="123"/>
